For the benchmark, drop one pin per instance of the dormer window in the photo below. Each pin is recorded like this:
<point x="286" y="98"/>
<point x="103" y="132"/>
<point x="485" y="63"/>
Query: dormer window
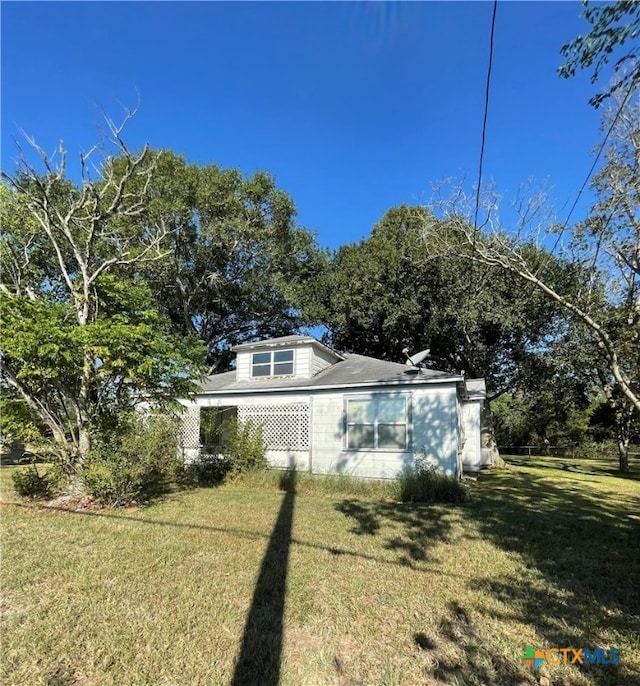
<point x="273" y="363"/>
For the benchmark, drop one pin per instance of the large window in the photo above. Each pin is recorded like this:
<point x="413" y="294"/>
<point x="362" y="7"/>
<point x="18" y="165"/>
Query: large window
<point x="273" y="363"/>
<point x="377" y="423"/>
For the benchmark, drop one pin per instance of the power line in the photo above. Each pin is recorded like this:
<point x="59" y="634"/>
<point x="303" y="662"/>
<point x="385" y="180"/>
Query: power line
<point x="484" y="120"/>
<point x="487" y="94"/>
<point x="545" y="262"/>
<point x="593" y="166"/>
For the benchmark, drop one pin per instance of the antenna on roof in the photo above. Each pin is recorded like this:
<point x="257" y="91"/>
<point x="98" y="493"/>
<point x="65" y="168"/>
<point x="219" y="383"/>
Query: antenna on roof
<point x="414" y="360"/>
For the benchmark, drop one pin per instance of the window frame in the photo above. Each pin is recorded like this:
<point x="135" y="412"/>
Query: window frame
<point x="376" y="398"/>
<point x="271" y="364"/>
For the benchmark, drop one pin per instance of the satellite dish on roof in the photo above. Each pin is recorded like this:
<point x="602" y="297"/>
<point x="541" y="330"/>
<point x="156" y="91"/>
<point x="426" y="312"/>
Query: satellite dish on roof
<point x="414" y="360"/>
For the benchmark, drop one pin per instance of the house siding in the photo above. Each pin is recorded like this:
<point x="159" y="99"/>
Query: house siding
<point x="432" y="430"/>
<point x="472" y="446"/>
<point x="243" y="366"/>
<point x="435" y="426"/>
<point x="301" y="362"/>
<point x="320" y="360"/>
<point x="308" y="360"/>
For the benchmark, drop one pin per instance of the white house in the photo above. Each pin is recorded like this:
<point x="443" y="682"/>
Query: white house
<point x="327" y="412"/>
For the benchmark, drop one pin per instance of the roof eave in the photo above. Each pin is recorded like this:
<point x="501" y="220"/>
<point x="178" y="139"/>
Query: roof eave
<point x="330" y="387"/>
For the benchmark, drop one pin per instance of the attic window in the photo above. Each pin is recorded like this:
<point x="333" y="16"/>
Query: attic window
<point x="273" y="363"/>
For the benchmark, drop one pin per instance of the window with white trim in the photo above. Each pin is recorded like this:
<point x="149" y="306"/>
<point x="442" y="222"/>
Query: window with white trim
<point x="272" y="363"/>
<point x="379" y="422"/>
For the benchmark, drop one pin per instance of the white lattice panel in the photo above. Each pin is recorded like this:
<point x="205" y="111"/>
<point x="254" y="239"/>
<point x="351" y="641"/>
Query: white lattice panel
<point x="190" y="428"/>
<point x="284" y="427"/>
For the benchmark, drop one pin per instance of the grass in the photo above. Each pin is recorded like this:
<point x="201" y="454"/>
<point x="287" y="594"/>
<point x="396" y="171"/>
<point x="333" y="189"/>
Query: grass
<point x="268" y="581"/>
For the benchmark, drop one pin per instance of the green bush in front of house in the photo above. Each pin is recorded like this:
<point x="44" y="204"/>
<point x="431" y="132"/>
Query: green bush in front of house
<point x="29" y="482"/>
<point x="134" y="465"/>
<point x="209" y="470"/>
<point x="244" y="449"/>
<point x="424" y="483"/>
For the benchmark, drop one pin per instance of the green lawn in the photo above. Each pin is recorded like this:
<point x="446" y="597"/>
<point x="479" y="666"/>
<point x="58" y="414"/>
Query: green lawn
<point x="270" y="582"/>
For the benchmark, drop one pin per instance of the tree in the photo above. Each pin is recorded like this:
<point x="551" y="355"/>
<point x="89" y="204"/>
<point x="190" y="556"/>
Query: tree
<point x="234" y="255"/>
<point x="604" y="251"/>
<point x="81" y="339"/>
<point x="567" y="406"/>
<point x="393" y="291"/>
<point x="613" y="24"/>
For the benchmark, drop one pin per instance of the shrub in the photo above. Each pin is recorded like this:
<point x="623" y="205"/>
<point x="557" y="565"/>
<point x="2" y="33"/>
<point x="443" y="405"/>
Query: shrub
<point x="590" y="449"/>
<point x="424" y="483"/>
<point x="30" y="483"/>
<point x="244" y="450"/>
<point x="141" y="464"/>
<point x="209" y="470"/>
<point x="110" y="479"/>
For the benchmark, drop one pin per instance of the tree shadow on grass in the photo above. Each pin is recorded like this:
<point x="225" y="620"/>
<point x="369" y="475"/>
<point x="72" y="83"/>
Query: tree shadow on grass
<point x="463" y="652"/>
<point x="466" y="655"/>
<point x="420" y="526"/>
<point x="596" y="467"/>
<point x="579" y="583"/>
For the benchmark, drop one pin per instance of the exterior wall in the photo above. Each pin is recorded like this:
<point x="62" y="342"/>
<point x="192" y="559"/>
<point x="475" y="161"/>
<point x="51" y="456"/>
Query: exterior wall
<point x="432" y="431"/>
<point x="471" y="447"/>
<point x="251" y="400"/>
<point x="285" y="459"/>
<point x="288" y="459"/>
<point x="435" y="426"/>
<point x="328" y="455"/>
<point x="490" y="455"/>
<point x="301" y="362"/>
<point x="320" y="360"/>
<point x="243" y="366"/>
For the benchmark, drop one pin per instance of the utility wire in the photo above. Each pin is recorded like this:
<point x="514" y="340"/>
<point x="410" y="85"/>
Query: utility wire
<point x="487" y="94"/>
<point x="484" y="121"/>
<point x="593" y="166"/>
<point x="614" y="121"/>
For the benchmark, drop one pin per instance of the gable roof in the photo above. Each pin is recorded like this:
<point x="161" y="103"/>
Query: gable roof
<point x="288" y="342"/>
<point x="351" y="370"/>
<point x="281" y="340"/>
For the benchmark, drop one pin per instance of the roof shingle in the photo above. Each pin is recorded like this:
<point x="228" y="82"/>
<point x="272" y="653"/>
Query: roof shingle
<point x="352" y="370"/>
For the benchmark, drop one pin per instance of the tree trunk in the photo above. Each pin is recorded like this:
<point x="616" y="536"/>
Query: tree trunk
<point x="84" y="405"/>
<point x="84" y="443"/>
<point x="624" y="419"/>
<point x="623" y="454"/>
<point x="488" y="438"/>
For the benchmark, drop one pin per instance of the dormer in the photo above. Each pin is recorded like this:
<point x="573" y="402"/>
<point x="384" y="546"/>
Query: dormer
<point x="289" y="357"/>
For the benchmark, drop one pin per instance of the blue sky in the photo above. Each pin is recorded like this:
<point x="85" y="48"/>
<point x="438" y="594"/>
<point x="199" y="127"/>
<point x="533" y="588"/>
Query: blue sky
<point x="353" y="107"/>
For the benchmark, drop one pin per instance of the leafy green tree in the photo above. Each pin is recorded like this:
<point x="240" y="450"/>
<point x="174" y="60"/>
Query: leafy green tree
<point x="392" y="291"/>
<point x="603" y="305"/>
<point x="614" y="24"/>
<point x="234" y="254"/>
<point x="82" y="341"/>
